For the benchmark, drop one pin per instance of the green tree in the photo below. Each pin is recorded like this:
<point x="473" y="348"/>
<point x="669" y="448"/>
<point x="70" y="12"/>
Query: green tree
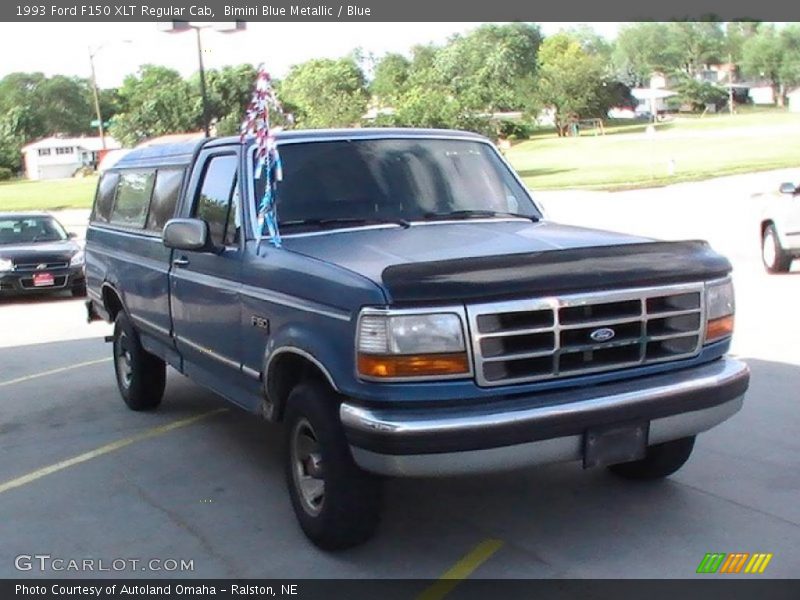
<point x="699" y="94"/>
<point x="736" y="34"/>
<point x="571" y="81"/>
<point x="695" y="43"/>
<point x="156" y="101"/>
<point x="13" y="124"/>
<point x="325" y="93"/>
<point x="390" y="78"/>
<point x="642" y="49"/>
<point x="229" y="92"/>
<point x="57" y="104"/>
<point x="775" y="56"/>
<point x="492" y="68"/>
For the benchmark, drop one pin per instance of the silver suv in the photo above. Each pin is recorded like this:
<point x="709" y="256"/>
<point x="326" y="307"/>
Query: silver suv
<point x="780" y="229"/>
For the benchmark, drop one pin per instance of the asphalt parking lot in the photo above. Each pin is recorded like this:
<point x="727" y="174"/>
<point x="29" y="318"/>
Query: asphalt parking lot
<point x="83" y="477"/>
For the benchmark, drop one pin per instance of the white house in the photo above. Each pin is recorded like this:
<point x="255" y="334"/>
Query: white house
<point x="794" y="100"/>
<point x="762" y="93"/>
<point x="59" y="157"/>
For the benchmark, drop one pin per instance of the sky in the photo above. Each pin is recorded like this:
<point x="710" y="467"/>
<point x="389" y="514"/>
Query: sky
<point x="63" y="48"/>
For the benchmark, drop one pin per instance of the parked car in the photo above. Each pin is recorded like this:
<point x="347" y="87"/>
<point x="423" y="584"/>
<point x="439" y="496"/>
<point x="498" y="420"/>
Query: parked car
<point x="780" y="229"/>
<point x="420" y="318"/>
<point x="38" y="255"/>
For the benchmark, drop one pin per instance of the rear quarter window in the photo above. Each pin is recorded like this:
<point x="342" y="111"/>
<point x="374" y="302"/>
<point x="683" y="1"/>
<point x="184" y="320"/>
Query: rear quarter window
<point x="104" y="199"/>
<point x="132" y="199"/>
<point x="166" y="189"/>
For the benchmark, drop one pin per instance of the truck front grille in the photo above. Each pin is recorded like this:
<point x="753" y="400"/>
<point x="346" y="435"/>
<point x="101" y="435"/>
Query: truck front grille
<point x="544" y="338"/>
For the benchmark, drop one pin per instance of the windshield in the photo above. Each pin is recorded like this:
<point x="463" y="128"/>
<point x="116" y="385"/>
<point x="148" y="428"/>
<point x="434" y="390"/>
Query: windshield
<point x="28" y="230"/>
<point x="353" y="182"/>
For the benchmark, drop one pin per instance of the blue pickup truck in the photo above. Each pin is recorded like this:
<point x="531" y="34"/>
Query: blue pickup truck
<point x="421" y="316"/>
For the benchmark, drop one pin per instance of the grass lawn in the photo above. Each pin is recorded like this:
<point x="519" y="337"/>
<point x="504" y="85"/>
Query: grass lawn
<point x="694" y="148"/>
<point x="23" y="194"/>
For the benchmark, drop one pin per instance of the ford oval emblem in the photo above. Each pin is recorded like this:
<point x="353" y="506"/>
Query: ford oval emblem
<point x="603" y="334"/>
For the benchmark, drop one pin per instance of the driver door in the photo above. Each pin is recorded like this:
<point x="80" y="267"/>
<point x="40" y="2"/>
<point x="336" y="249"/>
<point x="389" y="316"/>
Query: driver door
<point x="205" y="286"/>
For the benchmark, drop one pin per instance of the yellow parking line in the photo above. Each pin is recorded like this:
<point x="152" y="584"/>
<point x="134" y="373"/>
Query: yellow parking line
<point x="60" y="466"/>
<point x="53" y="371"/>
<point x="461" y="570"/>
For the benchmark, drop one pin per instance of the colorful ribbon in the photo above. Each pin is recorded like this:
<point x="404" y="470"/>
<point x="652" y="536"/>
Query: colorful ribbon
<point x="268" y="161"/>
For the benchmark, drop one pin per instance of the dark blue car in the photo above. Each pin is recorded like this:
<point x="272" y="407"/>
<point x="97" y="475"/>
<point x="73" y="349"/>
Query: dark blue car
<point x="421" y="316"/>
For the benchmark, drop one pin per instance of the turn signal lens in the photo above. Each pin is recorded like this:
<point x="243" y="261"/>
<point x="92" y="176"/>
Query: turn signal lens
<point x="719" y="328"/>
<point x="424" y="365"/>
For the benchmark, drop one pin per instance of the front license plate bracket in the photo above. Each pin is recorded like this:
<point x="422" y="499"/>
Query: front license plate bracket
<point x="613" y="444"/>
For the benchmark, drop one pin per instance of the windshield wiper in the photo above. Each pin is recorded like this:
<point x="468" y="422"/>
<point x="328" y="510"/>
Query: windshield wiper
<point x="344" y="222"/>
<point x="476" y="214"/>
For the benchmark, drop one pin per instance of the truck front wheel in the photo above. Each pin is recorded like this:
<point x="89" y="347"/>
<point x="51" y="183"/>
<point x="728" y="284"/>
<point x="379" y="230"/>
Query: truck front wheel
<point x="141" y="377"/>
<point x="660" y="461"/>
<point x="336" y="503"/>
<point x="775" y="258"/>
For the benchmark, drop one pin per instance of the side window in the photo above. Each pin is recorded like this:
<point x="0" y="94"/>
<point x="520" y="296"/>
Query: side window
<point x="214" y="201"/>
<point x="104" y="199"/>
<point x="133" y="198"/>
<point x="165" y="197"/>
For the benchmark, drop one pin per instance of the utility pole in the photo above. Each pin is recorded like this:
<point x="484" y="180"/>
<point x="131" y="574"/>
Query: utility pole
<point x="181" y="26"/>
<point x="730" y="83"/>
<point x="203" y="92"/>
<point x="95" y="92"/>
<point x="96" y="95"/>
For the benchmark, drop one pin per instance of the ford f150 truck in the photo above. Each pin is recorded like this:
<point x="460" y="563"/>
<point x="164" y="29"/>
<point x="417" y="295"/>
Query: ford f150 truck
<point x="421" y="317"/>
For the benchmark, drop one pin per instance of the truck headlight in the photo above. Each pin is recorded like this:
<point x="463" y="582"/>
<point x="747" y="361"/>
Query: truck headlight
<point x="720" y="308"/>
<point x="77" y="259"/>
<point x="6" y="265"/>
<point x="397" y="346"/>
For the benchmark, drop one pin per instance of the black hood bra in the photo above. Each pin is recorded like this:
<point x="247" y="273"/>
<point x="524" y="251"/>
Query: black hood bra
<point x="551" y="272"/>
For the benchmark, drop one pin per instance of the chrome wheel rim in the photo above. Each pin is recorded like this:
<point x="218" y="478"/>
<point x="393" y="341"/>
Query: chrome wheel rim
<point x="768" y="250"/>
<point x="123" y="361"/>
<point x="307" y="468"/>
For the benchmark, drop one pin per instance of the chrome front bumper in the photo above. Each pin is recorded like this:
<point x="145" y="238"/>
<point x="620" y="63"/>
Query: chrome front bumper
<point x="540" y="429"/>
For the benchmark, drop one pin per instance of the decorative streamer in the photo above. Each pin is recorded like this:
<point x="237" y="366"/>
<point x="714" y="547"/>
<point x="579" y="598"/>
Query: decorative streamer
<point x="268" y="161"/>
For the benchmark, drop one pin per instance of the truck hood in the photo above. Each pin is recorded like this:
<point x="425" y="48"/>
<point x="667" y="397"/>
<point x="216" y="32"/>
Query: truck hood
<point x="482" y="260"/>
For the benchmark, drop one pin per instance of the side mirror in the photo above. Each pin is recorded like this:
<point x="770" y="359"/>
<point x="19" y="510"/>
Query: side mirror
<point x="188" y="234"/>
<point x="72" y="235"/>
<point x="788" y="188"/>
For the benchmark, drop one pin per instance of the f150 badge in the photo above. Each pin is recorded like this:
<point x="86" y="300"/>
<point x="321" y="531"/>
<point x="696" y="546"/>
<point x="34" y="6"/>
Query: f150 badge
<point x="603" y="334"/>
<point x="260" y="322"/>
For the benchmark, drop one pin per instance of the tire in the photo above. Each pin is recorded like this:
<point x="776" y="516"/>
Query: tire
<point x="774" y="257"/>
<point x="660" y="461"/>
<point x="141" y="377"/>
<point x="336" y="503"/>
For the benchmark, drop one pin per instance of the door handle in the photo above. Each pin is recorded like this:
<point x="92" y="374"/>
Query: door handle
<point x="180" y="262"/>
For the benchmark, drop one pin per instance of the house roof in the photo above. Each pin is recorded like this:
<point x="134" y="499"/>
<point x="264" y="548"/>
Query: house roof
<point x="92" y="144"/>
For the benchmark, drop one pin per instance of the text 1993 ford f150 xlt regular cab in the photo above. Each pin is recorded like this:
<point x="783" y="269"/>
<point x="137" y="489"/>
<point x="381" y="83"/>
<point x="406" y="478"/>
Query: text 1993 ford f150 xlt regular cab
<point x="420" y="318"/>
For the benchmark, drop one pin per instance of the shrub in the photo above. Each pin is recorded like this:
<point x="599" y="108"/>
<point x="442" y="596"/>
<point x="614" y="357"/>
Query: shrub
<point x="514" y="130"/>
<point x="5" y="174"/>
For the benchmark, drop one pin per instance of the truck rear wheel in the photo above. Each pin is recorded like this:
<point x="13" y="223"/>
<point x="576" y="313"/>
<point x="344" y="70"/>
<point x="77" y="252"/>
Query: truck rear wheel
<point x="141" y="377"/>
<point x="775" y="258"/>
<point x="336" y="503"/>
<point x="660" y="461"/>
